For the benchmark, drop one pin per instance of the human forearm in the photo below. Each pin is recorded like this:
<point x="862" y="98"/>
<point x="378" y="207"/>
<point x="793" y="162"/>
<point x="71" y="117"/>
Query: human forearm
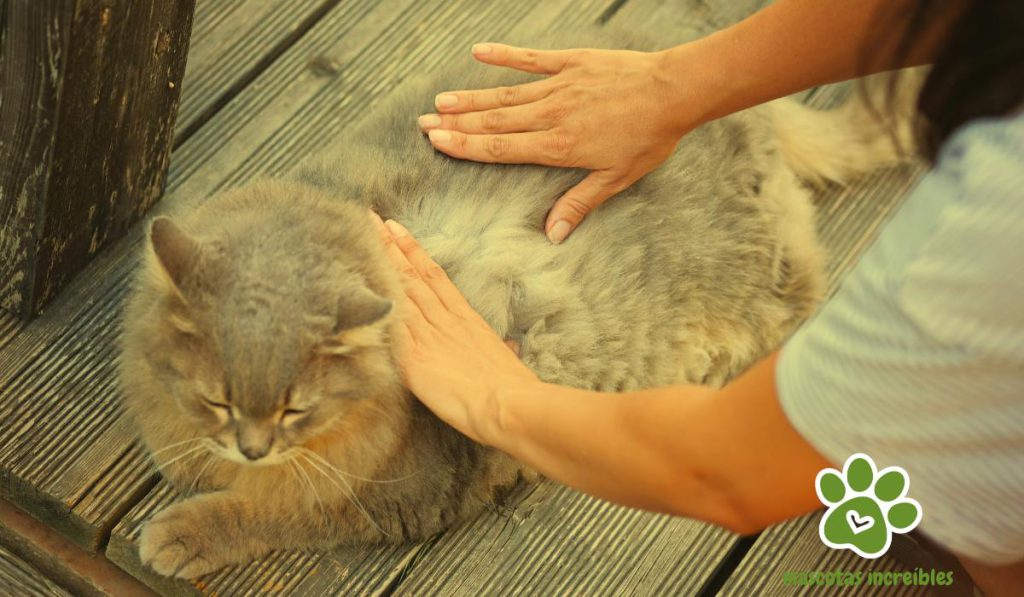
<point x="728" y="456"/>
<point x="602" y="444"/>
<point x="792" y="45"/>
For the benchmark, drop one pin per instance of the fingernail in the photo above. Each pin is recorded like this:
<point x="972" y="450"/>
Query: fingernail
<point x="481" y="49"/>
<point x="559" y="231"/>
<point x="397" y="230"/>
<point x="446" y="100"/>
<point x="429" y="120"/>
<point x="439" y="137"/>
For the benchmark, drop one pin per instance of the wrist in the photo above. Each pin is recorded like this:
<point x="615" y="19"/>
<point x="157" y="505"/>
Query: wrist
<point x="696" y="84"/>
<point x="500" y="422"/>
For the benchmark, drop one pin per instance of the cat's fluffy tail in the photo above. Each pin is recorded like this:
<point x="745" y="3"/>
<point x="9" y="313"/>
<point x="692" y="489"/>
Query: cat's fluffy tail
<point x="856" y="137"/>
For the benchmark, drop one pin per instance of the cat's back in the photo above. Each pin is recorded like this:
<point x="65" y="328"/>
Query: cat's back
<point x="691" y="254"/>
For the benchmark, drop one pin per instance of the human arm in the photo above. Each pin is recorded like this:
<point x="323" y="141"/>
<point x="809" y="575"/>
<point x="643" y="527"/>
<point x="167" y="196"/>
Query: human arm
<point x="620" y="114"/>
<point x="725" y="456"/>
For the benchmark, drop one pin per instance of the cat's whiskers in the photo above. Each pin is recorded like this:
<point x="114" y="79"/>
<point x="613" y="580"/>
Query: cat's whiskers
<point x="154" y="453"/>
<point x="210" y="459"/>
<point x="346" y="490"/>
<point x="189" y="454"/>
<point x="312" y="487"/>
<point x="337" y="470"/>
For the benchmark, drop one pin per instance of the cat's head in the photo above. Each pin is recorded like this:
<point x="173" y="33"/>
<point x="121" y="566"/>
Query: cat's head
<point x="267" y="330"/>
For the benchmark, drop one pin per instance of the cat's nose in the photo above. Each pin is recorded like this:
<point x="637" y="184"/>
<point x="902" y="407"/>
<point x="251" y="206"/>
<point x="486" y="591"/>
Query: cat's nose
<point x="253" y="452"/>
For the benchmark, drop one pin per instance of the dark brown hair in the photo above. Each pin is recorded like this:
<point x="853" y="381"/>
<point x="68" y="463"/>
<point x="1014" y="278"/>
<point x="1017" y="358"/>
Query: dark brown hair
<point x="978" y="67"/>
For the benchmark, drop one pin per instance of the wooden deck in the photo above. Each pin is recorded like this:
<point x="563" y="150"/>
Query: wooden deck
<point x="268" y="82"/>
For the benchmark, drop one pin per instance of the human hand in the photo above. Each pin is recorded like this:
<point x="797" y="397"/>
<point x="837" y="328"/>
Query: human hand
<point x="615" y="113"/>
<point x="449" y="357"/>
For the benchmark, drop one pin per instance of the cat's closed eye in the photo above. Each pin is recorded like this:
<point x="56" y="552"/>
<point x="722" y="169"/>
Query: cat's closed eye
<point x="221" y="406"/>
<point x="291" y="415"/>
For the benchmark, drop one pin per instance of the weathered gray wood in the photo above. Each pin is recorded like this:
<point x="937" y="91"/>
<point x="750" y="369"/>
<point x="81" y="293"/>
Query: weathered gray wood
<point x="558" y="541"/>
<point x="391" y="42"/>
<point x="848" y="219"/>
<point x="796" y="547"/>
<point x="233" y="41"/>
<point x="65" y="454"/>
<point x="354" y="570"/>
<point x="60" y="368"/>
<point x="9" y="327"/>
<point x="84" y="574"/>
<point x="90" y="93"/>
<point x="18" y="577"/>
<point x="680" y="21"/>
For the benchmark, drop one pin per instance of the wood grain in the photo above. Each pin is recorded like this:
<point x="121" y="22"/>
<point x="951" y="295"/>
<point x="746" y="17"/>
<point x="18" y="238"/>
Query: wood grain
<point x="90" y="94"/>
<point x="796" y="547"/>
<point x="848" y="219"/>
<point x="18" y="577"/>
<point x="234" y="41"/>
<point x="294" y="116"/>
<point x="67" y="453"/>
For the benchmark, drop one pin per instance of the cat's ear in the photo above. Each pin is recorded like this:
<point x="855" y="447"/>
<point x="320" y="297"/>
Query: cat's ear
<point x="360" y="307"/>
<point x="174" y="253"/>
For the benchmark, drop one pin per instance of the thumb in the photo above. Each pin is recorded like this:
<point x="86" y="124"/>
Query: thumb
<point x="577" y="202"/>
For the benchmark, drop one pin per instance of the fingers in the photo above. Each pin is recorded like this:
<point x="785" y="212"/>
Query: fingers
<point x="422" y="297"/>
<point x="514" y="347"/>
<point x="577" y="202"/>
<point x="430" y="277"/>
<point x="454" y="102"/>
<point x="542" y="62"/>
<point x="378" y="225"/>
<point x="516" y="119"/>
<point x="549" y="148"/>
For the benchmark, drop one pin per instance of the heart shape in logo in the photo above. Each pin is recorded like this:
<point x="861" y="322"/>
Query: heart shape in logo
<point x="857" y="523"/>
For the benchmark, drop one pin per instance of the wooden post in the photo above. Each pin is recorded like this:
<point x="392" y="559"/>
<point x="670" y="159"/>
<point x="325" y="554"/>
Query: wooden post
<point x="88" y="97"/>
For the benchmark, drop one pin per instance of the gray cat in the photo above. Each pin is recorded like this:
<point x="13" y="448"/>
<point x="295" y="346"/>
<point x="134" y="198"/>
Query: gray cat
<point x="257" y="363"/>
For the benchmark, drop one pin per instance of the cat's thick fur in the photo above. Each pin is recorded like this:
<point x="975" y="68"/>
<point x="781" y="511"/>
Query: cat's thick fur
<point x="274" y="298"/>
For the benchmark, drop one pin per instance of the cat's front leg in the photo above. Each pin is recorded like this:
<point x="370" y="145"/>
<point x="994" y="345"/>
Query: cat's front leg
<point x="210" y="531"/>
<point x="198" y="535"/>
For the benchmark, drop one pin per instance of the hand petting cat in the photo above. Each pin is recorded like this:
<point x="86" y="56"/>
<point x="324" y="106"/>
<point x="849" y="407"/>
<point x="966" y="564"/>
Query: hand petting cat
<point x="615" y="113"/>
<point x="449" y="357"/>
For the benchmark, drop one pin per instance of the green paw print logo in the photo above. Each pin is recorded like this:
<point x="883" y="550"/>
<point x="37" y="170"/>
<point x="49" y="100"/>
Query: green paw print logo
<point x="865" y="506"/>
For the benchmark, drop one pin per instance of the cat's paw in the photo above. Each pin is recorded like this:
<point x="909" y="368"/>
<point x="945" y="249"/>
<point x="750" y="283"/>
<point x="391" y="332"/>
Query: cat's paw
<point x="177" y="542"/>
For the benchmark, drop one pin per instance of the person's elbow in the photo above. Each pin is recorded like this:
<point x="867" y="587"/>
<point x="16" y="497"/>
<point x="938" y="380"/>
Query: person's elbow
<point x="706" y="497"/>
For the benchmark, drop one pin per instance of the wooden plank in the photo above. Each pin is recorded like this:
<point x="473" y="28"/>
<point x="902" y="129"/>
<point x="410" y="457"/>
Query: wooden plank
<point x="678" y="21"/>
<point x="319" y="122"/>
<point x="64" y="452"/>
<point x="90" y="92"/>
<point x="18" y="577"/>
<point x="351" y="570"/>
<point x="233" y="41"/>
<point x="565" y="542"/>
<point x="558" y="541"/>
<point x="397" y="42"/>
<point x="796" y="547"/>
<point x="82" y="573"/>
<point x="9" y="327"/>
<point x="850" y="217"/>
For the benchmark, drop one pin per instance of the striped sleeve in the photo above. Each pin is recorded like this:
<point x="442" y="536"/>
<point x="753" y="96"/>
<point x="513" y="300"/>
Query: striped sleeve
<point x="918" y="360"/>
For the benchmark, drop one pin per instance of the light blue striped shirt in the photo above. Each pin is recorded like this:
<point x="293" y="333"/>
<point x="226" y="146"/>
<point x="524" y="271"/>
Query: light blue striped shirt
<point x="918" y="360"/>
